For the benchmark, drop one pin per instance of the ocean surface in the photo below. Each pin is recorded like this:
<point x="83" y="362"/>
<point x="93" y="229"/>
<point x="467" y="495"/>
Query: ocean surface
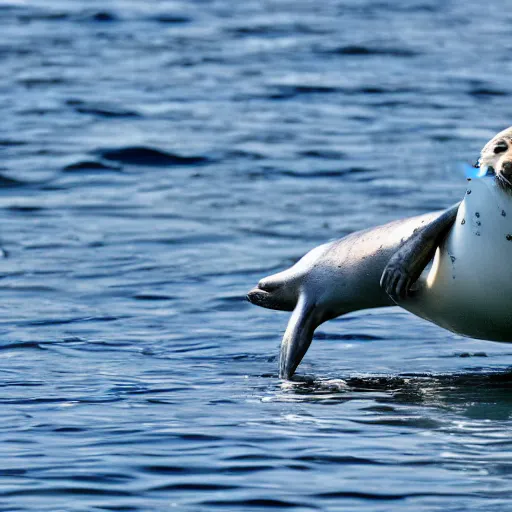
<point x="156" y="160"/>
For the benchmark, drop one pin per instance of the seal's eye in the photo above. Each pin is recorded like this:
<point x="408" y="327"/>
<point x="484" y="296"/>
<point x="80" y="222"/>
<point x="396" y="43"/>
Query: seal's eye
<point x="500" y="147"/>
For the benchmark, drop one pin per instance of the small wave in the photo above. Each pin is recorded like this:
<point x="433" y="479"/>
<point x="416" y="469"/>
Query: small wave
<point x="22" y="344"/>
<point x="100" y="109"/>
<point x="272" y="30"/>
<point x="12" y="142"/>
<point x="194" y="487"/>
<point x="230" y="303"/>
<point x="101" y="17"/>
<point x="285" y="92"/>
<point x="246" y="468"/>
<point x="159" y="469"/>
<point x="12" y="472"/>
<point x="331" y="173"/>
<point x="172" y="19"/>
<point x="291" y="91"/>
<point x="65" y="321"/>
<point x="251" y="503"/>
<point x="142" y="155"/>
<point x="469" y="354"/>
<point x="198" y="437"/>
<point x="42" y="81"/>
<point x="106" y="112"/>
<point x="69" y="429"/>
<point x="90" y="165"/>
<point x="316" y="174"/>
<point x="487" y="91"/>
<point x="25" y="208"/>
<point x="151" y="296"/>
<point x="68" y="490"/>
<point x="381" y="496"/>
<point x="323" y="154"/>
<point x="336" y="459"/>
<point x="40" y="15"/>
<point x="7" y="182"/>
<point x="398" y="421"/>
<point x="243" y="155"/>
<point x="379" y="90"/>
<point x="249" y="456"/>
<point x="356" y="50"/>
<point x="43" y="15"/>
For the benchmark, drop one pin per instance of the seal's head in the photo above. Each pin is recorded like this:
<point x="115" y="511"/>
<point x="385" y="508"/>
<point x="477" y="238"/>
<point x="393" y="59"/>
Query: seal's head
<point x="496" y="158"/>
<point x="275" y="292"/>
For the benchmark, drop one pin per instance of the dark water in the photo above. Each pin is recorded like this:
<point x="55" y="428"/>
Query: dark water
<point x="159" y="158"/>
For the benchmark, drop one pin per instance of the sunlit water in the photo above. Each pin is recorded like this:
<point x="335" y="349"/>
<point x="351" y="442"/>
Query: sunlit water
<point x="158" y="159"/>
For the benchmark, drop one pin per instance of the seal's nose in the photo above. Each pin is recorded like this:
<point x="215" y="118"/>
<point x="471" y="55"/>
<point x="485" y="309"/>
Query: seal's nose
<point x="267" y="285"/>
<point x="252" y="295"/>
<point x="506" y="169"/>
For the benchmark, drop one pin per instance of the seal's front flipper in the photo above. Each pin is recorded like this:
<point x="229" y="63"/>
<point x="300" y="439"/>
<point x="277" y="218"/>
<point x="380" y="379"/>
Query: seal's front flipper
<point x="407" y="264"/>
<point x="298" y="337"/>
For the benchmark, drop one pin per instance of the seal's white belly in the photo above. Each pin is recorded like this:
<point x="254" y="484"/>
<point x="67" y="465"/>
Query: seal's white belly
<point x="468" y="290"/>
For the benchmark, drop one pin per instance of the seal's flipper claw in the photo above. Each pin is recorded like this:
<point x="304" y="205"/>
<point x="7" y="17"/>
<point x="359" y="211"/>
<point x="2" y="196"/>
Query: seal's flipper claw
<point x="408" y="285"/>
<point x="386" y="279"/>
<point x="396" y="282"/>
<point x="383" y="279"/>
<point x="407" y="264"/>
<point x="297" y="338"/>
<point x="392" y="285"/>
<point x="402" y="286"/>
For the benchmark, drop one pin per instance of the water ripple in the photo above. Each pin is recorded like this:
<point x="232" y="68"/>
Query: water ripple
<point x="140" y="155"/>
<point x="158" y="159"/>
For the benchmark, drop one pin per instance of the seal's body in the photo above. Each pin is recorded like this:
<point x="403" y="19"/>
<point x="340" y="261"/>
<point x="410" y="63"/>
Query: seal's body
<point x="468" y="290"/>
<point x="332" y="280"/>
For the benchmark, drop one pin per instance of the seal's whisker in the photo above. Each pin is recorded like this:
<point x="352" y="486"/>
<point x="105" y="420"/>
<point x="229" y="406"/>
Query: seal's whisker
<point x="506" y="180"/>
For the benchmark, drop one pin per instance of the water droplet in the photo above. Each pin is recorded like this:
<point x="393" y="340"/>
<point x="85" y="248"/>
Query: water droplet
<point x="477" y="215"/>
<point x="509" y="237"/>
<point x="503" y="213"/>
<point x="478" y="223"/>
<point x="463" y="221"/>
<point x="468" y="192"/>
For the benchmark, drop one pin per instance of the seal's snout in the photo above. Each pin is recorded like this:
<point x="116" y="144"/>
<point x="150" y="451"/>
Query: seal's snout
<point x="267" y="285"/>
<point x="272" y="294"/>
<point x="255" y="296"/>
<point x="261" y="294"/>
<point x="506" y="168"/>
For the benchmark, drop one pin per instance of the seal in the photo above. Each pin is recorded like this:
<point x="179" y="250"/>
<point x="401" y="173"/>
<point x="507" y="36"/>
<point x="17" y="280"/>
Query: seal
<point x="467" y="290"/>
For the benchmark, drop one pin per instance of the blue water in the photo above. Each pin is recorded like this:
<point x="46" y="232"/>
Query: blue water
<point x="159" y="158"/>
